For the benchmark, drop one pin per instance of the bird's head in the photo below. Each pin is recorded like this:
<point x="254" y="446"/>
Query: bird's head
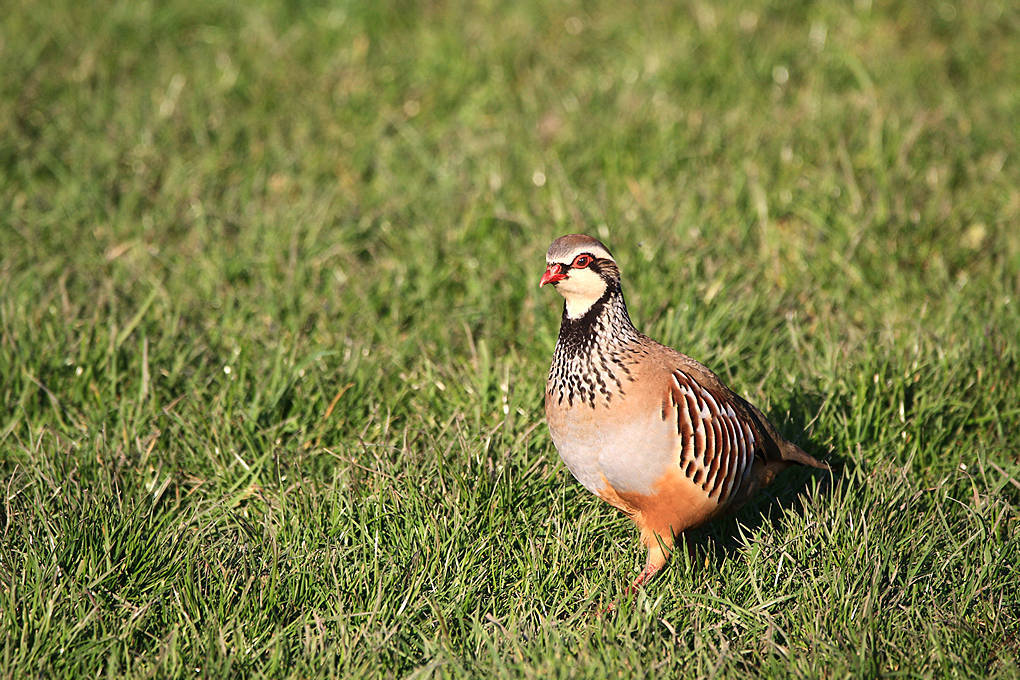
<point x="582" y="269"/>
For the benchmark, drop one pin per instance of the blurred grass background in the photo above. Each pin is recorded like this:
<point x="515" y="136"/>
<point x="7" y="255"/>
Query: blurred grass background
<point x="272" y="349"/>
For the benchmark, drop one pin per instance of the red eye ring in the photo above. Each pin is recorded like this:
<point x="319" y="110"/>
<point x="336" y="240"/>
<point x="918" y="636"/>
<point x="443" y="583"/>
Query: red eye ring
<point x="581" y="261"/>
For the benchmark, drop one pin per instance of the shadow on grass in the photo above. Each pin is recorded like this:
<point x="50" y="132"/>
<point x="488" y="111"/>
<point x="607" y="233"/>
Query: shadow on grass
<point x="727" y="534"/>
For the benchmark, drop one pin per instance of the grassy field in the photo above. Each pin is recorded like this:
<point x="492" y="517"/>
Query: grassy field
<point x="272" y="349"/>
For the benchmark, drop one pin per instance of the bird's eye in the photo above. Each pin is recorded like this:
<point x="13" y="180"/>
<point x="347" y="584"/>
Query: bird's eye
<point x="581" y="261"/>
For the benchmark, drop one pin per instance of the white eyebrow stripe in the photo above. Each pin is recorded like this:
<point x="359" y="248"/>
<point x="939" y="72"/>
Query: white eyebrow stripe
<point x="599" y="253"/>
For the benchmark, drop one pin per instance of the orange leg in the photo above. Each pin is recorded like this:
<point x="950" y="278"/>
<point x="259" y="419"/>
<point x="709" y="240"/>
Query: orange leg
<point x="645" y="577"/>
<point x="658" y="555"/>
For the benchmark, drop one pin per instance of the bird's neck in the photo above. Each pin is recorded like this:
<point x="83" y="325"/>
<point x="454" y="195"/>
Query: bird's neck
<point x="602" y="324"/>
<point x="593" y="352"/>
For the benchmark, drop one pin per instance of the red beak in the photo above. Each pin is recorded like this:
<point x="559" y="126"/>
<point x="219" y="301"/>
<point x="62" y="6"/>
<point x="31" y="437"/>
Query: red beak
<point x="552" y="274"/>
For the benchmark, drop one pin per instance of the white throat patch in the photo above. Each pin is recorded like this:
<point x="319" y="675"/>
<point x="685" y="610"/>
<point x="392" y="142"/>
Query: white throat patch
<point x="581" y="289"/>
<point x="577" y="308"/>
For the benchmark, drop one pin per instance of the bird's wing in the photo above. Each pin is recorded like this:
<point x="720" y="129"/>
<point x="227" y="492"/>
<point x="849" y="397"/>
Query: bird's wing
<point x="717" y="438"/>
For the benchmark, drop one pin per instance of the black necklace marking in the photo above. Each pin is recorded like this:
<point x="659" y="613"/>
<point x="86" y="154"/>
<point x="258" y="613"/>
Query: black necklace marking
<point x="594" y="351"/>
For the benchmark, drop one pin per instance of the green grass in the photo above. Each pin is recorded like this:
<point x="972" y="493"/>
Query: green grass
<point x="272" y="349"/>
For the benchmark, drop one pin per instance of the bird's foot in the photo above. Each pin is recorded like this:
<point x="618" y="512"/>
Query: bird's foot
<point x="645" y="577"/>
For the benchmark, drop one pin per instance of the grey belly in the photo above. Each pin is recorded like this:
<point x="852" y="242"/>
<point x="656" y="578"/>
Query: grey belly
<point x="630" y="456"/>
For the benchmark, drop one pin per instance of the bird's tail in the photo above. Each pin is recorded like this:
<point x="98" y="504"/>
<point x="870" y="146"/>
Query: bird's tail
<point x="794" y="454"/>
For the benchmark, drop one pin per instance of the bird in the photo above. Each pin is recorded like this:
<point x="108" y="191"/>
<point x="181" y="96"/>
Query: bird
<point x="645" y="428"/>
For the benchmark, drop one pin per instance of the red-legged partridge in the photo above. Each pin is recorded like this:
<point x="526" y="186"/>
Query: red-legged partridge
<point x="647" y="429"/>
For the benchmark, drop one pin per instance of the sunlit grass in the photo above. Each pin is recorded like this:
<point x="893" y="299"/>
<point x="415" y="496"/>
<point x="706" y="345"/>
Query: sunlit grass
<point x="272" y="348"/>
